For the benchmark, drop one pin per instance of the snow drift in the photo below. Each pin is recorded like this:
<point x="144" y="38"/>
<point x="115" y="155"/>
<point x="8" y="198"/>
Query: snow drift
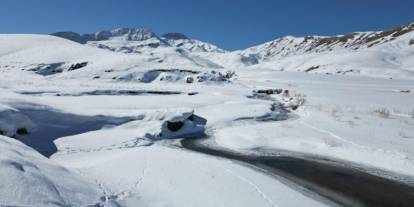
<point x="29" y="179"/>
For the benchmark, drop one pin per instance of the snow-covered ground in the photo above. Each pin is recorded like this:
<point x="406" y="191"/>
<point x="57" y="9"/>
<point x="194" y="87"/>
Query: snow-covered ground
<point x="363" y="121"/>
<point x="129" y="169"/>
<point x="29" y="179"/>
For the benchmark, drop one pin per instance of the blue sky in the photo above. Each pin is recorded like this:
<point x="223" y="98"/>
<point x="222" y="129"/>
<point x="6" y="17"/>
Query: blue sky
<point x="231" y="24"/>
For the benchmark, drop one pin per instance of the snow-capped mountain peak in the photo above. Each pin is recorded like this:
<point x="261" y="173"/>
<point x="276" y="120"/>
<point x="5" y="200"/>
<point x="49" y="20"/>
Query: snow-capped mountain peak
<point x="130" y="40"/>
<point x="126" y="34"/>
<point x="389" y="51"/>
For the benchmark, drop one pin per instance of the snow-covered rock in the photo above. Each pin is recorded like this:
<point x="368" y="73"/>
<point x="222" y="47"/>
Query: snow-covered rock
<point x="186" y="125"/>
<point x="13" y="122"/>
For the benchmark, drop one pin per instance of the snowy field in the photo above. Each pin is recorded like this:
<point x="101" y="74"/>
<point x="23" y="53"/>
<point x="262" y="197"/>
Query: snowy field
<point x="105" y="141"/>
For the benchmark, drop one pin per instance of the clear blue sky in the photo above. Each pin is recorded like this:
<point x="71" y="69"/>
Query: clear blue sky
<point x="231" y="24"/>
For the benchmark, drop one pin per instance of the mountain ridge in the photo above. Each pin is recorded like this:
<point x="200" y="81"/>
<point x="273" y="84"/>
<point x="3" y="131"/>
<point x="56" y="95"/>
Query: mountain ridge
<point x="356" y="53"/>
<point x="139" y="34"/>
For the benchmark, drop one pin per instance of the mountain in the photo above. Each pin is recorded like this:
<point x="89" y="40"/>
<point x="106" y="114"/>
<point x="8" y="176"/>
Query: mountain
<point x="386" y="53"/>
<point x="289" y="45"/>
<point x="181" y="41"/>
<point x="129" y="40"/>
<point x="126" y="34"/>
<point x="120" y="40"/>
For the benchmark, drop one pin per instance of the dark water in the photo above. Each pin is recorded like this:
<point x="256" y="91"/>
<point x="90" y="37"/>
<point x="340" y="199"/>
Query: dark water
<point x="343" y="185"/>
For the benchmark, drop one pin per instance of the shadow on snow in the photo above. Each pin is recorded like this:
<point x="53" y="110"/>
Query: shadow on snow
<point x="51" y="125"/>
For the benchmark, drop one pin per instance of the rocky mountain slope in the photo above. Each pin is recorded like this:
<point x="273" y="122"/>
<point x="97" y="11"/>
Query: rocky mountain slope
<point x="387" y="53"/>
<point x="289" y="45"/>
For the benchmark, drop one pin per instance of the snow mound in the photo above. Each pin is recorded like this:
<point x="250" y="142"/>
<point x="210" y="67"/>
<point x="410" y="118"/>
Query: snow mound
<point x="29" y="179"/>
<point x="186" y="125"/>
<point x="13" y="122"/>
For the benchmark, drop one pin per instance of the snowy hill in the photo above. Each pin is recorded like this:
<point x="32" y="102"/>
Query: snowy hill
<point x="23" y="169"/>
<point x="59" y="58"/>
<point x="289" y="45"/>
<point x="146" y="43"/>
<point x="385" y="53"/>
<point x="181" y="41"/>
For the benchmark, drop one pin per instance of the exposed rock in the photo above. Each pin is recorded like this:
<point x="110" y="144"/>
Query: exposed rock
<point x="192" y="93"/>
<point x="268" y="91"/>
<point x="22" y="131"/>
<point x="249" y="59"/>
<point x="48" y="69"/>
<point x="77" y="66"/>
<point x="174" y="126"/>
<point x="312" y="68"/>
<point x="174" y="36"/>
<point x="189" y="80"/>
<point x="72" y="36"/>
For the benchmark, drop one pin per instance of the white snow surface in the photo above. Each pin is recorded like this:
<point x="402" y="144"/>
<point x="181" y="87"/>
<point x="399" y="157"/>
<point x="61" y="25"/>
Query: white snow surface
<point x="364" y="121"/>
<point x="29" y="179"/>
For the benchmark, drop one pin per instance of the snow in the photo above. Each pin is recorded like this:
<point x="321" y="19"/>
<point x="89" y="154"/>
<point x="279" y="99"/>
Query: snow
<point x="337" y="121"/>
<point x="104" y="118"/>
<point x="155" y="175"/>
<point x="11" y="121"/>
<point x="29" y="179"/>
<point x="186" y="125"/>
